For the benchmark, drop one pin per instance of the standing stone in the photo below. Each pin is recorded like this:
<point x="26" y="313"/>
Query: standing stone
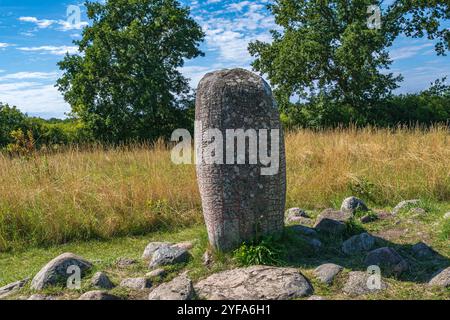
<point x="240" y="201"/>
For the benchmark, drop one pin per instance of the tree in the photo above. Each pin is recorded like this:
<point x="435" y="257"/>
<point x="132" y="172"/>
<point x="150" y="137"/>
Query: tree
<point x="327" y="57"/>
<point x="10" y="119"/>
<point x="124" y="83"/>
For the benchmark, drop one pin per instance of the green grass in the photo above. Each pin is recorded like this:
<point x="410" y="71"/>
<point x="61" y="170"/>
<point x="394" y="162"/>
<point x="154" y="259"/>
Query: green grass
<point x="289" y="250"/>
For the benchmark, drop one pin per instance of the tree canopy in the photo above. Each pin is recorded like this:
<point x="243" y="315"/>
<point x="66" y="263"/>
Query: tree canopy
<point x="325" y="55"/>
<point x="124" y="83"/>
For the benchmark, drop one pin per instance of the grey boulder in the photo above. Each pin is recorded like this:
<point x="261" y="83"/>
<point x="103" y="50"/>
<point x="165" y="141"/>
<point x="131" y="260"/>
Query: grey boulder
<point x="12" y="287"/>
<point x="389" y="261"/>
<point x="422" y="250"/>
<point x="327" y="272"/>
<point x="152" y="247"/>
<point x="136" y="283"/>
<point x="359" y="283"/>
<point x="441" y="279"/>
<point x="359" y="243"/>
<point x="98" y="295"/>
<point x="331" y="221"/>
<point x="102" y="281"/>
<point x="55" y="272"/>
<point x="255" y="283"/>
<point x="168" y="256"/>
<point x="405" y="204"/>
<point x="353" y="204"/>
<point x="179" y="288"/>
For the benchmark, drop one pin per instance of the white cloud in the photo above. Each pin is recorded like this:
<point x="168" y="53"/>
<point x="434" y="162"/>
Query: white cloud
<point x="34" y="98"/>
<point x="29" y="75"/>
<point x="4" y="45"/>
<point x="406" y="52"/>
<point x="56" y="50"/>
<point x="62" y="25"/>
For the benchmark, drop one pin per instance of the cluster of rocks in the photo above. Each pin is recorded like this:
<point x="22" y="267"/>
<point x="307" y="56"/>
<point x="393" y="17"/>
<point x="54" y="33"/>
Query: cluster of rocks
<point x="255" y="282"/>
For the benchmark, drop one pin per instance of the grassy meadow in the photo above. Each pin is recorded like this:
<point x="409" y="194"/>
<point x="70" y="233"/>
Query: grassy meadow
<point x="97" y="193"/>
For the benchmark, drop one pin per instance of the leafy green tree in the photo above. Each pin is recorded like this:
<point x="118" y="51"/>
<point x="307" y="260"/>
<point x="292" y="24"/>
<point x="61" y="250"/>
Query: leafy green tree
<point x="326" y="56"/>
<point x="10" y="119"/>
<point x="125" y="83"/>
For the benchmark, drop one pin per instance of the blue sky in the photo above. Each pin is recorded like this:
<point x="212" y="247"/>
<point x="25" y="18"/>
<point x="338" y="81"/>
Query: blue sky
<point x="34" y="36"/>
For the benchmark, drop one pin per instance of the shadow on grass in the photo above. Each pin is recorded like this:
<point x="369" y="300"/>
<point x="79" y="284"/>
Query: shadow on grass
<point x="300" y="251"/>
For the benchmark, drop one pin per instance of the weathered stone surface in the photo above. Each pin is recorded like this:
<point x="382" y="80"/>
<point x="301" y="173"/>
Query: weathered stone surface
<point x="327" y="272"/>
<point x="353" y="204"/>
<point x="156" y="273"/>
<point x="332" y="221"/>
<point x="255" y="283"/>
<point x="441" y="279"/>
<point x="389" y="261"/>
<point x="55" y="272"/>
<point x="422" y="250"/>
<point x="241" y="200"/>
<point x="187" y="245"/>
<point x="359" y="243"/>
<point x="41" y="297"/>
<point x="98" y="295"/>
<point x="292" y="214"/>
<point x="405" y="204"/>
<point x="303" y="230"/>
<point x="357" y="284"/>
<point x="125" y="262"/>
<point x="179" y="288"/>
<point x="136" y="283"/>
<point x="167" y="256"/>
<point x="102" y="281"/>
<point x="12" y="287"/>
<point x="152" y="247"/>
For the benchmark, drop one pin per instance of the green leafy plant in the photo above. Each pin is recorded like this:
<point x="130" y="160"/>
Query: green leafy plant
<point x="265" y="252"/>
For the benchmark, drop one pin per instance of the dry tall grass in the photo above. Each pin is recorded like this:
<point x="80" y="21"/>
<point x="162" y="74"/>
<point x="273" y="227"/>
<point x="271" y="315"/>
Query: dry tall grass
<point x="97" y="193"/>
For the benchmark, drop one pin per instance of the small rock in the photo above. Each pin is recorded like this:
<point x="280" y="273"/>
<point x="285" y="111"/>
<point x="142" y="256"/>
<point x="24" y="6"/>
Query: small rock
<point x="327" y="272"/>
<point x="255" y="283"/>
<point x="179" y="288"/>
<point x="316" y="298"/>
<point x="447" y="215"/>
<point x="383" y="215"/>
<point x="441" y="279"/>
<point x="293" y="213"/>
<point x="315" y="244"/>
<point x="55" y="271"/>
<point x="330" y="226"/>
<point x="353" y="204"/>
<point x="136" y="283"/>
<point x="332" y="221"/>
<point x="358" y="284"/>
<point x="168" y="255"/>
<point x="102" y="281"/>
<point x="125" y="262"/>
<point x="389" y="261"/>
<point x="360" y="243"/>
<point x="404" y="204"/>
<point x="98" y="295"/>
<point x="306" y="231"/>
<point x="12" y="287"/>
<point x="422" y="250"/>
<point x="152" y="247"/>
<point x="156" y="273"/>
<point x="368" y="218"/>
<point x="41" y="297"/>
